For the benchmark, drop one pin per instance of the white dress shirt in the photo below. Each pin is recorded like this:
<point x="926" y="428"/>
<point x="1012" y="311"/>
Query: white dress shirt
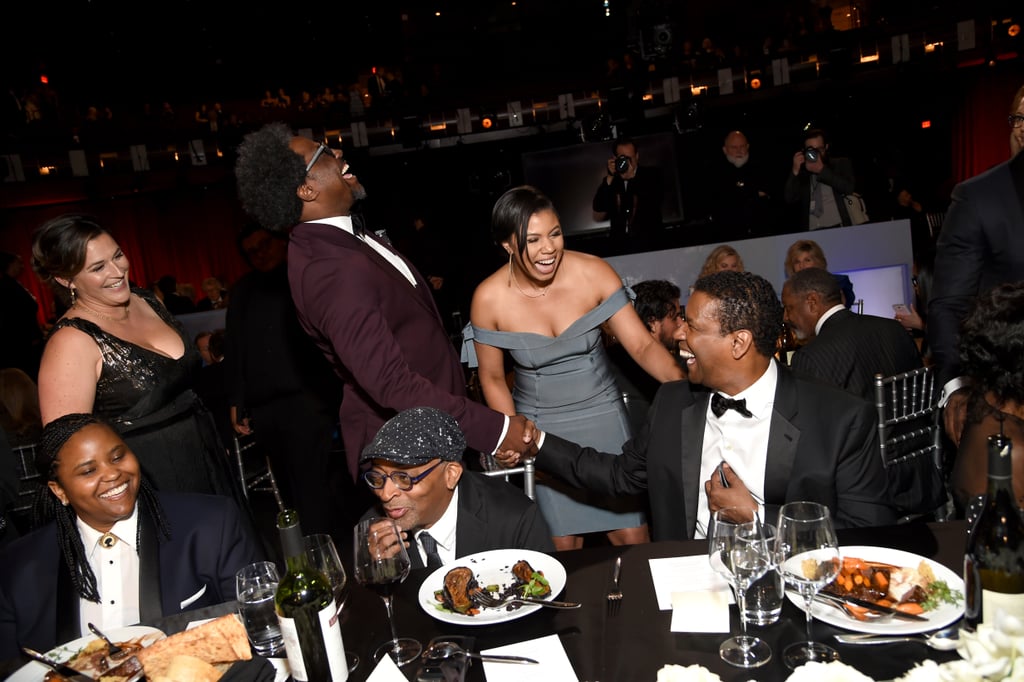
<point x="741" y="442"/>
<point x="344" y="222"/>
<point x="827" y="314"/>
<point x="117" y="576"/>
<point x="443" y="532"/>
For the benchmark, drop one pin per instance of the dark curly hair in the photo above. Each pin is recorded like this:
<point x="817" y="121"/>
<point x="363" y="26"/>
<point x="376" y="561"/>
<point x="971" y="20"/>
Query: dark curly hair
<point x="512" y="212"/>
<point x="267" y="174"/>
<point x="47" y="507"/>
<point x="745" y="301"/>
<point x="655" y="298"/>
<point x="58" y="249"/>
<point x="992" y="343"/>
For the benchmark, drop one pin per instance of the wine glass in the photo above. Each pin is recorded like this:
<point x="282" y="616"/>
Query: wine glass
<point x="738" y="551"/>
<point x="808" y="556"/>
<point x="381" y="563"/>
<point x="323" y="555"/>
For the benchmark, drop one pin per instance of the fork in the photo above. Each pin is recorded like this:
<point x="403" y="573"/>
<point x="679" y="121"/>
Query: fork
<point x="115" y="651"/>
<point x="487" y="600"/>
<point x="614" y="596"/>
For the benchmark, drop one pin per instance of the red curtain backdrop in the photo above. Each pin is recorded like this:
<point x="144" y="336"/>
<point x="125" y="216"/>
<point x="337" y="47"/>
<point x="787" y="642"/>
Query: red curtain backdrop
<point x="981" y="135"/>
<point x="187" y="232"/>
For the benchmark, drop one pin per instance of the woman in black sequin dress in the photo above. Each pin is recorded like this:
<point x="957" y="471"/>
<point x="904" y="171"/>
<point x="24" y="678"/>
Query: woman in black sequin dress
<point x="118" y="353"/>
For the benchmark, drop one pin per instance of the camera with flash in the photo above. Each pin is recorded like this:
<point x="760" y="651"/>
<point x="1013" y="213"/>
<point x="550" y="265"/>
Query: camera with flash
<point x="811" y="154"/>
<point x="621" y="164"/>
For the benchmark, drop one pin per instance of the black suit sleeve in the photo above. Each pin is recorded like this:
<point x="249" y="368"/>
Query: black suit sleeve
<point x="601" y="472"/>
<point x="861" y="485"/>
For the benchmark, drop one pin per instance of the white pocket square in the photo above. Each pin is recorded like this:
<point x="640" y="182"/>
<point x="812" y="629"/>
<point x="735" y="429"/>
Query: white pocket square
<point x="191" y="600"/>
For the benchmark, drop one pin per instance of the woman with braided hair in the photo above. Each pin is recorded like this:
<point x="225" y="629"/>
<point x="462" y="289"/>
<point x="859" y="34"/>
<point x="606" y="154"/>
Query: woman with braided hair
<point x="108" y="548"/>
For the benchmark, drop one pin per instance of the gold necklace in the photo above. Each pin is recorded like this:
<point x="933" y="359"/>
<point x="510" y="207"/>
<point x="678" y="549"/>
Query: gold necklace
<point x="78" y="303"/>
<point x="512" y="276"/>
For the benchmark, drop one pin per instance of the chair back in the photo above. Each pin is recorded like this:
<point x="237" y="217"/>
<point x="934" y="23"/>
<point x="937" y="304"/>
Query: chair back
<point x="858" y="306"/>
<point x="909" y="436"/>
<point x="29" y="481"/>
<point x="527" y="469"/>
<point x="254" y="470"/>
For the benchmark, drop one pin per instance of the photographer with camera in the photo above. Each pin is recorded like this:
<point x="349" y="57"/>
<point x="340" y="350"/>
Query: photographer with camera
<point x="630" y="199"/>
<point x="818" y="183"/>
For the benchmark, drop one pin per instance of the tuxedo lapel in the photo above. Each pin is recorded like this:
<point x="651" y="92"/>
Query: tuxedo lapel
<point x="783" y="438"/>
<point x="68" y="606"/>
<point x="691" y="426"/>
<point x="150" y="599"/>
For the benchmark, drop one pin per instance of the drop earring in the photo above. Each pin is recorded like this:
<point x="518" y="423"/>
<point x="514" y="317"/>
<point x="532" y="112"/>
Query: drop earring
<point x="74" y="296"/>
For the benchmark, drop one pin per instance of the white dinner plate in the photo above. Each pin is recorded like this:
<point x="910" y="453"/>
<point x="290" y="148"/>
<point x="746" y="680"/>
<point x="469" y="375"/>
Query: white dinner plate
<point x="492" y="568"/>
<point x="939" y="617"/>
<point x="35" y="671"/>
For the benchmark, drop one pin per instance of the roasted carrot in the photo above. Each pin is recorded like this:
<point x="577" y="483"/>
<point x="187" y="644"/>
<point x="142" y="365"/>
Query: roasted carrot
<point x="910" y="607"/>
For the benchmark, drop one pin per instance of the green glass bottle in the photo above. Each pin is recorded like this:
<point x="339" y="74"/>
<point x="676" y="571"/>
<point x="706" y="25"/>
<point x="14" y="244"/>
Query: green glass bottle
<point x="994" y="559"/>
<point x="306" y="610"/>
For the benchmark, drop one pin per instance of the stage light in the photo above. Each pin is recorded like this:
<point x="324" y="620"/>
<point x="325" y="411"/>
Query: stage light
<point x="755" y="83"/>
<point x="1013" y="31"/>
<point x="925" y="124"/>
<point x="488" y="121"/>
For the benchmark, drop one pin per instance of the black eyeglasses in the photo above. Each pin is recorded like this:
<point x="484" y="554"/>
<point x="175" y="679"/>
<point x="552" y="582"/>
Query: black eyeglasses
<point x="403" y="481"/>
<point x="316" y="155"/>
<point x="1016" y="120"/>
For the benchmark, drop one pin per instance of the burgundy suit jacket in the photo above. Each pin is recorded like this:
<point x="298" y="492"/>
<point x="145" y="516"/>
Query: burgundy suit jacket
<point x="384" y="338"/>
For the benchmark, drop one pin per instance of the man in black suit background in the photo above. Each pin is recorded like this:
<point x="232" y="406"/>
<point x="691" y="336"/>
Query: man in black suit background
<point x="417" y="474"/>
<point x="841" y="347"/>
<point x="784" y="439"/>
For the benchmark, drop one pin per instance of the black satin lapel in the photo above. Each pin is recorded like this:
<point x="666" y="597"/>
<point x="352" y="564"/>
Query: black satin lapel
<point x="68" y="607"/>
<point x="783" y="438"/>
<point x="150" y="600"/>
<point x="691" y="424"/>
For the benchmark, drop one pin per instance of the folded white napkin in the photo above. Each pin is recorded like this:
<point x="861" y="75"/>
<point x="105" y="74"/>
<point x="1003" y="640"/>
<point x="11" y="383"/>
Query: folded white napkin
<point x="706" y="611"/>
<point x="386" y="671"/>
<point x="684" y="574"/>
<point x="553" y="663"/>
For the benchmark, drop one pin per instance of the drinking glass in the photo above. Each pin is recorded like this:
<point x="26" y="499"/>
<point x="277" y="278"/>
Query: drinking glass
<point x="382" y="563"/>
<point x="255" y="586"/>
<point x="808" y="556"/>
<point x="323" y="555"/>
<point x="738" y="551"/>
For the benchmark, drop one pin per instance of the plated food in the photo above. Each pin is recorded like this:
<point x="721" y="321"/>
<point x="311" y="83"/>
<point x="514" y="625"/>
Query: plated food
<point x="447" y="593"/>
<point x="202" y="654"/>
<point x="897" y="579"/>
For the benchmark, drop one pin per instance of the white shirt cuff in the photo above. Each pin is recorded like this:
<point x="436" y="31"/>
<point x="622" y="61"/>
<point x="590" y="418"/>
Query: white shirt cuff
<point x="501" y="438"/>
<point x="951" y="387"/>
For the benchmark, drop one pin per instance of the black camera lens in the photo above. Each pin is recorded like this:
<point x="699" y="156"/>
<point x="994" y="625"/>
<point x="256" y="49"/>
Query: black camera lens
<point x="811" y="154"/>
<point x="621" y="164"/>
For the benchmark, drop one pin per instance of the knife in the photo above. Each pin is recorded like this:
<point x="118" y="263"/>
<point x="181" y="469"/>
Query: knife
<point x="61" y="669"/>
<point x="864" y="603"/>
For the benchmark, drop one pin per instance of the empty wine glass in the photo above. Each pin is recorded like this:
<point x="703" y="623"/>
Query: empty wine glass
<point x="808" y="556"/>
<point x="323" y="555"/>
<point x="737" y="550"/>
<point x="382" y="563"/>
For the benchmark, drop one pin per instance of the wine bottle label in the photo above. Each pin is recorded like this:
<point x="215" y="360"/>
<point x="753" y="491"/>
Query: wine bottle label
<point x="330" y="627"/>
<point x="991" y="602"/>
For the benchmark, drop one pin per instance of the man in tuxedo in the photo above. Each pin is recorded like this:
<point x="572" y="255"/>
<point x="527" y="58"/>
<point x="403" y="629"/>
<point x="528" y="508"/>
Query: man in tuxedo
<point x="841" y="347"/>
<point x="743" y="432"/>
<point x="444" y="511"/>
<point x="368" y="310"/>
<point x="981" y="245"/>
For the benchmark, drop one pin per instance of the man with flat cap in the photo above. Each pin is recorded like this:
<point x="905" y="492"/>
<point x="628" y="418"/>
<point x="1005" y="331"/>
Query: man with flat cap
<point x="444" y="510"/>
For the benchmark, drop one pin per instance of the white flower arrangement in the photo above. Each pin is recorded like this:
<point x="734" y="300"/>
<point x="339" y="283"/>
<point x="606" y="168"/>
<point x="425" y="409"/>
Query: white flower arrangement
<point x="833" y="671"/>
<point x="690" y="673"/>
<point x="995" y="653"/>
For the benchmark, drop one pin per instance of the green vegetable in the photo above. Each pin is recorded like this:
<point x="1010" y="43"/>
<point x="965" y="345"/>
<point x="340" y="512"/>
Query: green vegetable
<point x="940" y="593"/>
<point x="537" y="587"/>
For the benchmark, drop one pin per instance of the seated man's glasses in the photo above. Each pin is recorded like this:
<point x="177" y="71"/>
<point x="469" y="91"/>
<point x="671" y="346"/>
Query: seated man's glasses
<point x="316" y="155"/>
<point x="403" y="481"/>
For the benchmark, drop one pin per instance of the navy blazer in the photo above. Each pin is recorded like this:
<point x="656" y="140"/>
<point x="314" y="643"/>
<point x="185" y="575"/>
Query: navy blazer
<point x="195" y="568"/>
<point x="822" y="447"/>
<point x="850" y="349"/>
<point x="981" y="245"/>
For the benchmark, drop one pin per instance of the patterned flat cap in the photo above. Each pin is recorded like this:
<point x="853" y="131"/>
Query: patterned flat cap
<point x="416" y="436"/>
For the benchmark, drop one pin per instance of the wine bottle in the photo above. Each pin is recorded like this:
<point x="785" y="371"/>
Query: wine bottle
<point x="306" y="610"/>
<point x="994" y="559"/>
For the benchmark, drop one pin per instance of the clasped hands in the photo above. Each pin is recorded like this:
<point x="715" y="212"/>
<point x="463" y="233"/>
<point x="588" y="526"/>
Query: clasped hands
<point x="520" y="441"/>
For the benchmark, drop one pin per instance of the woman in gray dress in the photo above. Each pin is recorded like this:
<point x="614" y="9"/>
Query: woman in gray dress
<point x="546" y="309"/>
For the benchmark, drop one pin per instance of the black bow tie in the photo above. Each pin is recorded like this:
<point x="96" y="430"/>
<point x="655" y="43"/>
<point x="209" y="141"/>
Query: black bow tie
<point x="719" y="405"/>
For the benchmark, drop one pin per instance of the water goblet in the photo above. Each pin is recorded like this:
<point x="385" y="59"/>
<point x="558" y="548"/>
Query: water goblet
<point x="738" y="551"/>
<point x="323" y="555"/>
<point x="382" y="563"/>
<point x="255" y="586"/>
<point x="808" y="556"/>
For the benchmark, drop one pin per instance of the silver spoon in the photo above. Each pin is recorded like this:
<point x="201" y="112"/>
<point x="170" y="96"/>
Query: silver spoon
<point x="940" y="640"/>
<point x="451" y="649"/>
